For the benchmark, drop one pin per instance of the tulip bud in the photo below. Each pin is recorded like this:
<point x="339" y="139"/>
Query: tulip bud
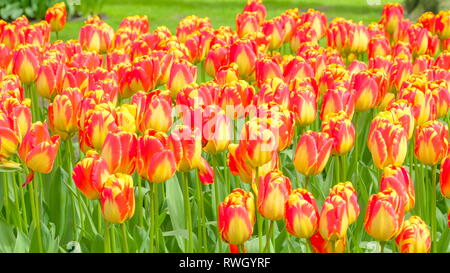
<point x="312" y="153"/>
<point x="431" y="142"/>
<point x="414" y="237"/>
<point x="144" y="74"/>
<point x="341" y="130"/>
<point x="384" y="215"/>
<point x="301" y="214"/>
<point x="216" y="58"/>
<point x="236" y="217"/>
<point x="273" y="191"/>
<point x="399" y="179"/>
<point x="117" y="198"/>
<point x="62" y="113"/>
<point x="267" y="69"/>
<point x="205" y="172"/>
<point x="423" y="104"/>
<point x="89" y="175"/>
<point x="274" y="30"/>
<point x="258" y="7"/>
<point x="379" y="46"/>
<point x="216" y="130"/>
<point x="391" y="16"/>
<point x="247" y="23"/>
<point x="50" y="78"/>
<point x="126" y="118"/>
<point x="8" y="138"/>
<point x="98" y="125"/>
<point x="244" y="52"/>
<point x="38" y="150"/>
<point x="403" y="114"/>
<point x="191" y="147"/>
<point x="56" y="16"/>
<point x="333" y="221"/>
<point x="442" y="24"/>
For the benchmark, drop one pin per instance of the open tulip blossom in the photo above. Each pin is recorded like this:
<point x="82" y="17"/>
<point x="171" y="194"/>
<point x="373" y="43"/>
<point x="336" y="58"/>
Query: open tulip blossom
<point x="291" y="132"/>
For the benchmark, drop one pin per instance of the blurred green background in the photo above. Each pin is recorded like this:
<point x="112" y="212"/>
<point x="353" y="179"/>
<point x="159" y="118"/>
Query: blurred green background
<point x="221" y="12"/>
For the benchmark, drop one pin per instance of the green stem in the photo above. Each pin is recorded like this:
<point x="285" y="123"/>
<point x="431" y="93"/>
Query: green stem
<point x="269" y="236"/>
<point x="433" y="208"/>
<point x="6" y="196"/>
<point x="227" y="177"/>
<point x="306" y="182"/>
<point x="259" y="217"/>
<point x="382" y="244"/>
<point x="124" y="237"/>
<point x="216" y="201"/>
<point x="24" y="208"/>
<point x="152" y="218"/>
<point x="35" y="214"/>
<point x="336" y="171"/>
<point x="343" y="168"/>
<point x="187" y="208"/>
<point x="107" y="240"/>
<point x="156" y="217"/>
<point x="16" y="203"/>
<point x="140" y="206"/>
<point x="113" y="239"/>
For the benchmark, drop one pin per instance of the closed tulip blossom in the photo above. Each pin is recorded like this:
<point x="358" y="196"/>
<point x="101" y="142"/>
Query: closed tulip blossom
<point x="341" y="129"/>
<point x="154" y="110"/>
<point x="312" y="153"/>
<point x="89" y="175"/>
<point x="26" y="63"/>
<point x="301" y="214"/>
<point x="56" y="16"/>
<point x="236" y="217"/>
<point x="320" y="245"/>
<point x="117" y="198"/>
<point x="62" y="113"/>
<point x="119" y="151"/>
<point x="303" y="104"/>
<point x="348" y="193"/>
<point x="369" y="87"/>
<point x="181" y="74"/>
<point x="273" y="191"/>
<point x="431" y="142"/>
<point x="398" y="178"/>
<point x="333" y="221"/>
<point x="384" y="215"/>
<point x="414" y="237"/>
<point x="38" y="150"/>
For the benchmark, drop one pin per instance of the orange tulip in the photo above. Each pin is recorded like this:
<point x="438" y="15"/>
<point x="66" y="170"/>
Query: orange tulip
<point x="391" y="16"/>
<point x="318" y="21"/>
<point x="384" y="215"/>
<point x="378" y="46"/>
<point x="341" y="130"/>
<point x="119" y="151"/>
<point x="144" y="74"/>
<point x="217" y="57"/>
<point x="157" y="156"/>
<point x="312" y="153"/>
<point x="181" y="74"/>
<point x="431" y="142"/>
<point x="191" y="147"/>
<point x="98" y="124"/>
<point x="333" y="221"/>
<point x="369" y="87"/>
<point x="348" y="193"/>
<point x="62" y="112"/>
<point x="216" y="130"/>
<point x="320" y="245"/>
<point x="50" y="78"/>
<point x="399" y="179"/>
<point x="243" y="52"/>
<point x="236" y="217"/>
<point x="154" y="110"/>
<point x="117" y="198"/>
<point x="445" y="177"/>
<point x="126" y="118"/>
<point x="258" y="7"/>
<point x="267" y="69"/>
<point x="388" y="144"/>
<point x="414" y="237"/>
<point x="335" y="100"/>
<point x="205" y="172"/>
<point x="273" y="192"/>
<point x="442" y="24"/>
<point x="56" y="16"/>
<point x="303" y="103"/>
<point x="403" y="114"/>
<point x="89" y="175"/>
<point x="38" y="150"/>
<point x="301" y="214"/>
<point x="8" y="138"/>
<point x="26" y="63"/>
<point x="247" y="23"/>
<point x="274" y="30"/>
<point x="423" y="104"/>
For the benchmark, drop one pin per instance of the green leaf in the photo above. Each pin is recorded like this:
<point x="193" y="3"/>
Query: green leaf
<point x="22" y="243"/>
<point x="7" y="238"/>
<point x="175" y="205"/>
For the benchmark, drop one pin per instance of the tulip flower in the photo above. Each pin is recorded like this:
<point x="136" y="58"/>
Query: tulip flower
<point x="403" y="114"/>
<point x="117" y="198"/>
<point x="398" y="178"/>
<point x="191" y="147"/>
<point x="369" y="87"/>
<point x="89" y="175"/>
<point x="205" y="172"/>
<point x="320" y="245"/>
<point x="303" y="104"/>
<point x="379" y="46"/>
<point x="392" y="14"/>
<point x="157" y="156"/>
<point x="431" y="142"/>
<point x="274" y="30"/>
<point x="423" y="104"/>
<point x="26" y="63"/>
<point x="301" y="214"/>
<point x="333" y="221"/>
<point x="388" y="144"/>
<point x="445" y="177"/>
<point x="126" y="118"/>
<point x="258" y="7"/>
<point x="50" y="78"/>
<point x="348" y="193"/>
<point x="8" y="138"/>
<point x="38" y="150"/>
<point x="414" y="237"/>
<point x="62" y="113"/>
<point x="154" y="111"/>
<point x="341" y="130"/>
<point x="244" y="52"/>
<point x="56" y="16"/>
<point x="216" y="132"/>
<point x="267" y="69"/>
<point x="273" y="191"/>
<point x="119" y="151"/>
<point x="441" y="96"/>
<point x="181" y="74"/>
<point x="257" y="142"/>
<point x="247" y="23"/>
<point x="217" y="57"/>
<point x="384" y="215"/>
<point x="335" y="100"/>
<point x="312" y="153"/>
<point x="97" y="125"/>
<point x="236" y="217"/>
<point x="442" y="24"/>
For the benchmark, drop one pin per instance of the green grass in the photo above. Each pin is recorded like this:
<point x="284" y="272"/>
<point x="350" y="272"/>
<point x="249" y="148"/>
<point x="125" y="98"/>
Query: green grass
<point x="222" y="12"/>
